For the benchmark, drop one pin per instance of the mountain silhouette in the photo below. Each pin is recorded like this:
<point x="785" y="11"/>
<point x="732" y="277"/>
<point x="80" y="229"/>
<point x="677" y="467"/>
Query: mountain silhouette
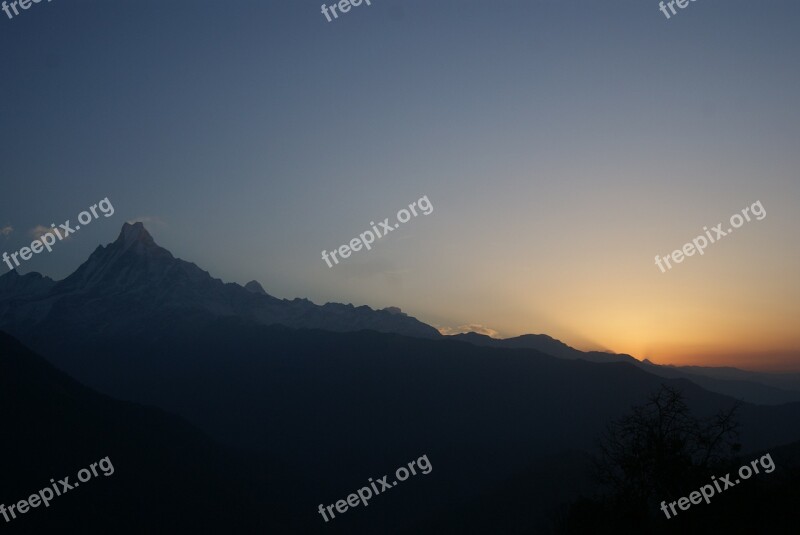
<point x="133" y="281"/>
<point x="134" y="287"/>
<point x="168" y="476"/>
<point x="255" y="287"/>
<point x="545" y="344"/>
<point x="359" y="394"/>
<point x="14" y="285"/>
<point x="760" y="388"/>
<point x="337" y="408"/>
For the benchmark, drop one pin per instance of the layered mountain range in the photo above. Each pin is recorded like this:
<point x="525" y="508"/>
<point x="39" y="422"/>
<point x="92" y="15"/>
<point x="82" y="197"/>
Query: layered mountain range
<point x="56" y="426"/>
<point x="134" y="280"/>
<point x="331" y="394"/>
<point x="133" y="288"/>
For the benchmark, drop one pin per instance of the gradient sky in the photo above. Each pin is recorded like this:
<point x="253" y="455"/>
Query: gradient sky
<point x="563" y="144"/>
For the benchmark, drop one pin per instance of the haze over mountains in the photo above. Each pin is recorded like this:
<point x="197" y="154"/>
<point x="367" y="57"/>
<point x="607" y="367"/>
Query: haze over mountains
<point x="133" y="284"/>
<point x="763" y="388"/>
<point x="56" y="427"/>
<point x="133" y="279"/>
<point x="333" y="394"/>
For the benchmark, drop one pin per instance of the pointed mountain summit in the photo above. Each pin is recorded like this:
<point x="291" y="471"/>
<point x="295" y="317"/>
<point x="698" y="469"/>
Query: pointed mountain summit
<point x="133" y="233"/>
<point x="134" y="286"/>
<point x="255" y="287"/>
<point x="134" y="263"/>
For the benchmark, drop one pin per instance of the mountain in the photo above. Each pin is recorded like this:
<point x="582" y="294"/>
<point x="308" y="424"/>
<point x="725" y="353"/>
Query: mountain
<point x="16" y="286"/>
<point x="255" y="287"/>
<point x="355" y="397"/>
<point x="338" y="408"/>
<point x="135" y="288"/>
<point x="167" y="476"/>
<point x="785" y="381"/>
<point x="134" y="284"/>
<point x="545" y="344"/>
<point x="752" y="387"/>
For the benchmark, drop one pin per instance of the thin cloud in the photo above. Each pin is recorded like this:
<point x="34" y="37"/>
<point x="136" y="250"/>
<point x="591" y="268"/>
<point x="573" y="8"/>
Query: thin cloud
<point x="40" y="230"/>
<point x="471" y="328"/>
<point x="6" y="231"/>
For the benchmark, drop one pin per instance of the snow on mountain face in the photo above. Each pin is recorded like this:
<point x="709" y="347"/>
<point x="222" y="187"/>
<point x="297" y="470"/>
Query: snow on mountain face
<point x="134" y="280"/>
<point x="132" y="260"/>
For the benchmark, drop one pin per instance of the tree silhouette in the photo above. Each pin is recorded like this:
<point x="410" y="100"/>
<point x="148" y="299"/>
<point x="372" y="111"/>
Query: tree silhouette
<point x="658" y="448"/>
<point x="652" y="454"/>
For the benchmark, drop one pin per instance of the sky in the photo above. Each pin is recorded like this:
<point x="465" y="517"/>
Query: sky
<point x="562" y="145"/>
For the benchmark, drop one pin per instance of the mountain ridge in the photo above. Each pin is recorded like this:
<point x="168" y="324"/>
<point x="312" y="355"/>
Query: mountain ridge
<point x="133" y="278"/>
<point x="144" y="445"/>
<point x="133" y="285"/>
<point x="748" y="386"/>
